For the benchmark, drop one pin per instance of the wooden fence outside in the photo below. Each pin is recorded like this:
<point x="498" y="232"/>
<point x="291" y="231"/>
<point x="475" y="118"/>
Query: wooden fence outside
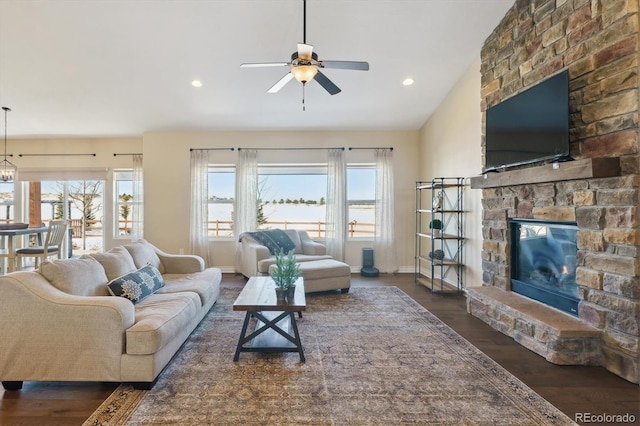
<point x="224" y="228"/>
<point x="316" y="229"/>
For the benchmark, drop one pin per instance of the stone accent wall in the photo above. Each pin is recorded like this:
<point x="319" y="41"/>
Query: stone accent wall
<point x="597" y="41"/>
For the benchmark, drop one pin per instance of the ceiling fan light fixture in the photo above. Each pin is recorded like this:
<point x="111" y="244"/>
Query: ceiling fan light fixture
<point x="304" y="73"/>
<point x="305" y="65"/>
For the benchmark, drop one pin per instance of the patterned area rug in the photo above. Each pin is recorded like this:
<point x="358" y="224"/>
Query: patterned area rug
<point x="374" y="356"/>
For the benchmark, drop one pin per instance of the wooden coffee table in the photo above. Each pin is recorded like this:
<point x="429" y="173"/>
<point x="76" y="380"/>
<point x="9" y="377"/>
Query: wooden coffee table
<point x="276" y="329"/>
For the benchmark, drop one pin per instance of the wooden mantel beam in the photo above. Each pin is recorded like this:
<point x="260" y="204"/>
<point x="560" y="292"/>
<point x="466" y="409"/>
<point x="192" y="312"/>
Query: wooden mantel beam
<point x="570" y="170"/>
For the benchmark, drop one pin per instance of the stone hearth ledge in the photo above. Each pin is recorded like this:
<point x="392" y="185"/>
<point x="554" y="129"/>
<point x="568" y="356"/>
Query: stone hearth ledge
<point x="556" y="336"/>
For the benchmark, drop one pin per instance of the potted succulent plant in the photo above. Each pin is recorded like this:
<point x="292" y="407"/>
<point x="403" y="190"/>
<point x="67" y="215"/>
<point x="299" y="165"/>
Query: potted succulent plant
<point x="284" y="273"/>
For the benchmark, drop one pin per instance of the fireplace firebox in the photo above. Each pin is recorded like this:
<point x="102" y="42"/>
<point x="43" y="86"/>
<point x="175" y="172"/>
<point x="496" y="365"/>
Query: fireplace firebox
<point x="543" y="262"/>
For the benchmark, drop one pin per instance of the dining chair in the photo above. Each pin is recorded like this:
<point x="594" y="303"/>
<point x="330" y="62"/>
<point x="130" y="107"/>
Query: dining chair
<point x="52" y="244"/>
<point x="4" y="250"/>
<point x="4" y="257"/>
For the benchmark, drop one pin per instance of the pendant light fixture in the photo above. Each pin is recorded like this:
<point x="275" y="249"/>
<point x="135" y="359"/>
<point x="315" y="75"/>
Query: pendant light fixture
<point x="7" y="169"/>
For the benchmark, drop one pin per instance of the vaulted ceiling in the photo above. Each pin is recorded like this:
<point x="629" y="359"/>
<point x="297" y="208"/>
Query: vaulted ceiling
<point x="124" y="67"/>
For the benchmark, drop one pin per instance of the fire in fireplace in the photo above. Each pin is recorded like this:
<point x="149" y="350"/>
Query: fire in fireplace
<point x="543" y="262"/>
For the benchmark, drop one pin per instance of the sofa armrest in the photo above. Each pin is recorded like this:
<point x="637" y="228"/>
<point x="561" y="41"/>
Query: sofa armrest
<point x="51" y="335"/>
<point x="181" y="263"/>
<point x="168" y="263"/>
<point x="251" y="252"/>
<point x="311" y="247"/>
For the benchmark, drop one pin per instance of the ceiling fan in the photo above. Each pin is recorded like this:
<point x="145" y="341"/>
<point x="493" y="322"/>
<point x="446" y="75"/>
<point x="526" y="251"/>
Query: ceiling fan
<point x="305" y="65"/>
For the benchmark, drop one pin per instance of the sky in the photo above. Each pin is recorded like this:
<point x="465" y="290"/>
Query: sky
<point x="360" y="182"/>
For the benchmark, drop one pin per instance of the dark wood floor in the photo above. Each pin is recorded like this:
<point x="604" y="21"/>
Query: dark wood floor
<point x="571" y="389"/>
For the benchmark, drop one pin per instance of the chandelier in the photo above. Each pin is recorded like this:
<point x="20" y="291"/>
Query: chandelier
<point x="7" y="168"/>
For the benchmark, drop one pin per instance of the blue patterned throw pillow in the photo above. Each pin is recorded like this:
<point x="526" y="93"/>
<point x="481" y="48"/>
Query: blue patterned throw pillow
<point x="275" y="240"/>
<point x="137" y="285"/>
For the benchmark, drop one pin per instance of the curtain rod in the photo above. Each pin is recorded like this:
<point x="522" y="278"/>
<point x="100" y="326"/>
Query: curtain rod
<point x="54" y="155"/>
<point x="212" y="149"/>
<point x="132" y="153"/>
<point x="288" y="149"/>
<point x="390" y="148"/>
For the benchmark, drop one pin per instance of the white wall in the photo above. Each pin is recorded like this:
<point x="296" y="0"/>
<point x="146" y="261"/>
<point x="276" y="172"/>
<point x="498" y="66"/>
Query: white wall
<point x="166" y="180"/>
<point x="450" y="146"/>
<point x="166" y="174"/>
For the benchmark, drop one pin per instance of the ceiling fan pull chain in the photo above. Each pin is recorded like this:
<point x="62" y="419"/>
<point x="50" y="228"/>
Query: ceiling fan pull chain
<point x="303" y="106"/>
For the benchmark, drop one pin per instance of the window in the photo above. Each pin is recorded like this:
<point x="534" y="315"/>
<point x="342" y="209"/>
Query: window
<point x="221" y="191"/>
<point x="123" y="203"/>
<point x="361" y="199"/>
<point x="293" y="197"/>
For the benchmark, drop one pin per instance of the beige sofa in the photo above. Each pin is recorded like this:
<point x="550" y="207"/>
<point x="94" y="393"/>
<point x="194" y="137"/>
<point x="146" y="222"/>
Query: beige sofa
<point x="60" y="323"/>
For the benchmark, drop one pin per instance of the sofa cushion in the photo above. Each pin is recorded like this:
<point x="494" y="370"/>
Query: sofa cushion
<point x="264" y="264"/>
<point x="80" y="277"/>
<point x="203" y="283"/>
<point x="275" y="240"/>
<point x="144" y="254"/>
<point x="116" y="262"/>
<point x="137" y="285"/>
<point x="159" y="319"/>
<point x="326" y="268"/>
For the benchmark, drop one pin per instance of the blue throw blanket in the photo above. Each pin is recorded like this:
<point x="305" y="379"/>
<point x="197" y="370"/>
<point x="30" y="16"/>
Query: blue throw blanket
<point x="273" y="239"/>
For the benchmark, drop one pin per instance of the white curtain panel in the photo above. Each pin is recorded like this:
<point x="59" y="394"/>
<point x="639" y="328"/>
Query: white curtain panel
<point x="246" y="208"/>
<point x="385" y="256"/>
<point x="337" y="213"/>
<point x="198" y="229"/>
<point x="137" y="207"/>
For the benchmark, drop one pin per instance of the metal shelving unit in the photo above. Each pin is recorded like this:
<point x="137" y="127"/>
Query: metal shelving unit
<point x="439" y="251"/>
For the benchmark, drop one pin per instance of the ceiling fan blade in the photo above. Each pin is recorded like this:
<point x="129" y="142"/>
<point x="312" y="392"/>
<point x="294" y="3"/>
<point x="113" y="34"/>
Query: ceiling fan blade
<point x="326" y="83"/>
<point x="265" y="64"/>
<point x="346" y="65"/>
<point x="305" y="51"/>
<point x="280" y="84"/>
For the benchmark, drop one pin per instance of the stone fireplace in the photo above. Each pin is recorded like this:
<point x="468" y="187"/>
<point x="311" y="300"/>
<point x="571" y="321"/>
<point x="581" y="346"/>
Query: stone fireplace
<point x="597" y="41"/>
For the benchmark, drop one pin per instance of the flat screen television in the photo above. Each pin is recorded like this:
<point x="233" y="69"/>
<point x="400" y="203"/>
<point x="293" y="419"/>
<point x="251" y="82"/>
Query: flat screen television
<point x="530" y="127"/>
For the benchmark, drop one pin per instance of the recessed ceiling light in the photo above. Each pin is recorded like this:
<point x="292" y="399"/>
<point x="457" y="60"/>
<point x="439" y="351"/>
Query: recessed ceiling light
<point x="196" y="83"/>
<point x="407" y="81"/>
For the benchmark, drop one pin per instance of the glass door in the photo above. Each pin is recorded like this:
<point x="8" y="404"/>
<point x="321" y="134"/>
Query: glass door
<point x="82" y="203"/>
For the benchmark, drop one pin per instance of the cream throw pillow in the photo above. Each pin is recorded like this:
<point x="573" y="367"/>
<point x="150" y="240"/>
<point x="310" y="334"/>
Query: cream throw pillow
<point x="143" y="254"/>
<point x="80" y="277"/>
<point x="116" y="262"/>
